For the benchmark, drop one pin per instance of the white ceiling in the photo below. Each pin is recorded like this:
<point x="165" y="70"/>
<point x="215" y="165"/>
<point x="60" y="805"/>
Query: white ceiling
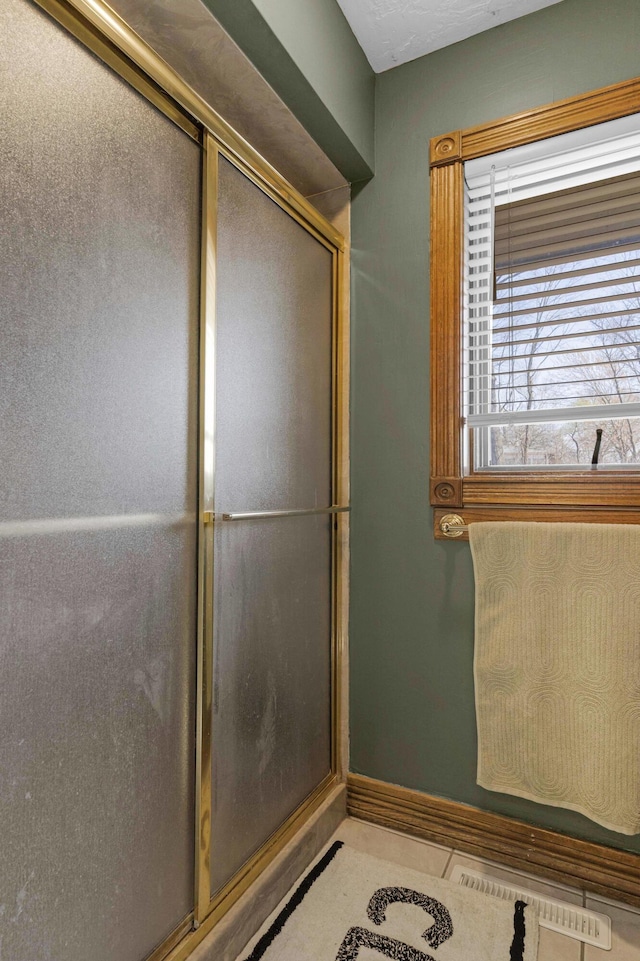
<point x="392" y="32"/>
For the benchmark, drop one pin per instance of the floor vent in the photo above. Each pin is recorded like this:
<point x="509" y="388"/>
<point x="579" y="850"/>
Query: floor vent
<point x="559" y="916"/>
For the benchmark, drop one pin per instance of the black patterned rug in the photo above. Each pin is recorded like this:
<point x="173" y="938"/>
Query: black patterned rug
<point x="352" y="906"/>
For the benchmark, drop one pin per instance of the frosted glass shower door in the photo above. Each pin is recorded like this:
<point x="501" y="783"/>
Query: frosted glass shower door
<point x="99" y="265"/>
<point x="271" y="735"/>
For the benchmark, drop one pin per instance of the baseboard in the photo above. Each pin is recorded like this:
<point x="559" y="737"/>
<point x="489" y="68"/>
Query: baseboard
<point x="582" y="864"/>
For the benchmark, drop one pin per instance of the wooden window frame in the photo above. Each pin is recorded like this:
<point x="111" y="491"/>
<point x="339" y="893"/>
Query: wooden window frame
<point x="606" y="496"/>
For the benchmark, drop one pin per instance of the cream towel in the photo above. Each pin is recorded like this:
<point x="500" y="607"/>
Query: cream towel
<point x="557" y="666"/>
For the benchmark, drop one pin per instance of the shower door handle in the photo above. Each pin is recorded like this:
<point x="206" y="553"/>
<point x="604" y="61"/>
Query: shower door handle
<point x="210" y="517"/>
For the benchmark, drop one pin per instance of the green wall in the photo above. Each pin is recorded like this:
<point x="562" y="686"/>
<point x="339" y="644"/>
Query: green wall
<point x="412" y="705"/>
<point x="305" y="49"/>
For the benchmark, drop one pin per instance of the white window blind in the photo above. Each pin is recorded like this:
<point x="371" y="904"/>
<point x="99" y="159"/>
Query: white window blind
<point x="552" y="300"/>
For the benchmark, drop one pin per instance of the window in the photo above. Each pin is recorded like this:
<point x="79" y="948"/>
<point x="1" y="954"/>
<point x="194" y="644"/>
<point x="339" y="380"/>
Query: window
<point x="552" y="302"/>
<point x="535" y="314"/>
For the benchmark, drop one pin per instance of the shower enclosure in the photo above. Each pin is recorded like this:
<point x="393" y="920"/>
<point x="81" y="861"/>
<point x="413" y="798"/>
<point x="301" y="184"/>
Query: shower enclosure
<point x="170" y="499"/>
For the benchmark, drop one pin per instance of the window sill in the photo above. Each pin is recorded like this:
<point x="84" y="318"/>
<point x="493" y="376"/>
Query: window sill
<point x="572" y="497"/>
<point x="571" y="489"/>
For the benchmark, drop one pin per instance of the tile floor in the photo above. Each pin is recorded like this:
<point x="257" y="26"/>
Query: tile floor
<point x="440" y="861"/>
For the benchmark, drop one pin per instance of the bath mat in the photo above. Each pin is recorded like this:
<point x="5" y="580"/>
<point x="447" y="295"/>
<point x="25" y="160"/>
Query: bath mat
<point x="352" y="906"/>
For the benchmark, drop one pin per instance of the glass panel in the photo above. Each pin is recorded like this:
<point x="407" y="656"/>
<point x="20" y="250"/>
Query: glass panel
<point x="568" y="444"/>
<point x="271" y="725"/>
<point x="97" y="740"/>
<point x="98" y="407"/>
<point x="271" y="734"/>
<point x="273" y="343"/>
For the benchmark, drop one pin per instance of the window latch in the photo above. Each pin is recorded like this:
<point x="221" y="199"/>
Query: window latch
<point x="596" y="449"/>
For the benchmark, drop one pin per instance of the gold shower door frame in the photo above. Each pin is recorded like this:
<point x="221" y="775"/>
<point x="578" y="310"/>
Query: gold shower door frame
<point x="208" y="910"/>
<point x="110" y="38"/>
